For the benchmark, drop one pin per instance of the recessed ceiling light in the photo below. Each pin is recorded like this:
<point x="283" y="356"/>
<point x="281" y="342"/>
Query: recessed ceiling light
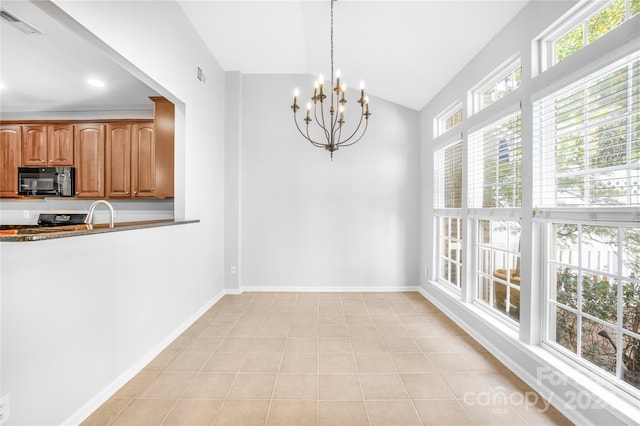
<point x="95" y="82"/>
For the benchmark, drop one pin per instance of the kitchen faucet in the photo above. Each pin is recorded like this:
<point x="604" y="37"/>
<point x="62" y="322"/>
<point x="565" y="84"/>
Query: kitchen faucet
<point x="89" y="219"/>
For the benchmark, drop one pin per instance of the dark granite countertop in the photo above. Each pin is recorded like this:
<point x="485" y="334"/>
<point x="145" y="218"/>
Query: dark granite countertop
<point x="18" y="233"/>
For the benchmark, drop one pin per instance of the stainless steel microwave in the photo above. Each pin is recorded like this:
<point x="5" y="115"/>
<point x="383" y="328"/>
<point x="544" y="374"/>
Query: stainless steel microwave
<point x="46" y="181"/>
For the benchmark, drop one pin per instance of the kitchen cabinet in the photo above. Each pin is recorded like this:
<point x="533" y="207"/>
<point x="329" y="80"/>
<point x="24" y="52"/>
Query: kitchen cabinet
<point x="164" y="123"/>
<point x="118" y="160"/>
<point x="47" y="145"/>
<point x="10" y="145"/>
<point x="130" y="160"/>
<point x="143" y="161"/>
<point x="89" y="154"/>
<point x="113" y="158"/>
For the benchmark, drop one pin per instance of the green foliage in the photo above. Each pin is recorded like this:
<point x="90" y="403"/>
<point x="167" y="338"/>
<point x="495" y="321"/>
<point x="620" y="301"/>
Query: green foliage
<point x="599" y="299"/>
<point x="606" y="19"/>
<point x="598" y="24"/>
<point x="570" y="43"/>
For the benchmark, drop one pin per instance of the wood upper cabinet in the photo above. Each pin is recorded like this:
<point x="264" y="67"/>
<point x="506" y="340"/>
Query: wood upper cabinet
<point x="118" y="160"/>
<point x="47" y="145"/>
<point x="89" y="154"/>
<point x="121" y="158"/>
<point x="130" y="161"/>
<point x="10" y="144"/>
<point x="60" y="144"/>
<point x="34" y="145"/>
<point x="143" y="160"/>
<point x="164" y="122"/>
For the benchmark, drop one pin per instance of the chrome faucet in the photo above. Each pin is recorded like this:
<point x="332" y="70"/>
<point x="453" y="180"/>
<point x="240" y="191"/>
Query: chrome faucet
<point x="89" y="219"/>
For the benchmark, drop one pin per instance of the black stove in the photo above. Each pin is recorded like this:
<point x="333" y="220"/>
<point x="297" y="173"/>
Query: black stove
<point x="61" y="219"/>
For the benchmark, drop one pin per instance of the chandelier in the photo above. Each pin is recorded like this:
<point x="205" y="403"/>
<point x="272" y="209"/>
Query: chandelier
<point x="331" y="125"/>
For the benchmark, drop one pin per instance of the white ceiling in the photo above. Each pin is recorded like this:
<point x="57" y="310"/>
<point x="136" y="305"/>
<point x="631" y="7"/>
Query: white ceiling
<point x="48" y="72"/>
<point x="405" y="51"/>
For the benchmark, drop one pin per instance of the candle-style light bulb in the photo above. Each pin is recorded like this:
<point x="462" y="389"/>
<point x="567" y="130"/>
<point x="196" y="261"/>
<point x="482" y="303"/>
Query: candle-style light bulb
<point x="341" y="109"/>
<point x="366" y="104"/>
<point x="344" y="89"/>
<point x="296" y="92"/>
<point x="337" y="78"/>
<point x="362" y="90"/>
<point x="308" y="109"/>
<point x="315" y="89"/>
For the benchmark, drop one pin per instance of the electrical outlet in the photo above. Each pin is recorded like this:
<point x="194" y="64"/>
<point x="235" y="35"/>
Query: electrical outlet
<point x="4" y="409"/>
<point x="232" y="270"/>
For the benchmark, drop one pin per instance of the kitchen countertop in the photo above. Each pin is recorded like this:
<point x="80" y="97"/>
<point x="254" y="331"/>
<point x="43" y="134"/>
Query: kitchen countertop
<point x="22" y="233"/>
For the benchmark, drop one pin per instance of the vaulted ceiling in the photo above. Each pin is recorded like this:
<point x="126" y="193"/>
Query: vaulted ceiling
<point x="405" y="51"/>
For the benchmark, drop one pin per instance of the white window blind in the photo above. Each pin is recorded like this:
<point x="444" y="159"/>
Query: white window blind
<point x="495" y="158"/>
<point x="588" y="140"/>
<point x="448" y="176"/>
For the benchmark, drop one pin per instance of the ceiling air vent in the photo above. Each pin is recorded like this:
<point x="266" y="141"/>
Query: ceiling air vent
<point x="18" y="23"/>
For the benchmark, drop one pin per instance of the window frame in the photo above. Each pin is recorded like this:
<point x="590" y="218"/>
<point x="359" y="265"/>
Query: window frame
<point x="616" y="217"/>
<point x="451" y="213"/>
<point x="439" y="122"/>
<point x="509" y="67"/>
<point x="578" y="15"/>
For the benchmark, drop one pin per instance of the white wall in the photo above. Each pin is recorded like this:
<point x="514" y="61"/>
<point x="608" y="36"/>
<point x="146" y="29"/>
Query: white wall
<point x="520" y="350"/>
<point x="311" y="223"/>
<point x="77" y="324"/>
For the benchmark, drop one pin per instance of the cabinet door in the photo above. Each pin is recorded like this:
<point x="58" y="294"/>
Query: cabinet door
<point x="60" y="145"/>
<point x="10" y="144"/>
<point x="164" y="122"/>
<point x="89" y="154"/>
<point x="143" y="161"/>
<point x="34" y="145"/>
<point x="118" y="160"/>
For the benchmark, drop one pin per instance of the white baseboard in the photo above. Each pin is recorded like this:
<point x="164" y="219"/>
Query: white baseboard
<point x="329" y="289"/>
<point x="576" y="394"/>
<point x="94" y="403"/>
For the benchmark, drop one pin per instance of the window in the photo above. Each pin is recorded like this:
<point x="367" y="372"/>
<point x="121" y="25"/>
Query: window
<point x="498" y="265"/>
<point x="448" y="119"/>
<point x="496" y="163"/>
<point x="448" y="204"/>
<point x="588" y="24"/>
<point x="588" y="154"/>
<point x="499" y="84"/>
<point x="594" y="295"/>
<point x="589" y="136"/>
<point x="495" y="180"/>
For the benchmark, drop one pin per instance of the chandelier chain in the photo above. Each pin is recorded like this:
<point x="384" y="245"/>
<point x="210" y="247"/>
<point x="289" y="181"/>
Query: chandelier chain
<point x="332" y="1"/>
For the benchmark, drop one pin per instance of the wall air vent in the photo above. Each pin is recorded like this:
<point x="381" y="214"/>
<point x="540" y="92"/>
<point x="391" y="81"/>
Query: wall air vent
<point x="201" y="76"/>
<point x="19" y="23"/>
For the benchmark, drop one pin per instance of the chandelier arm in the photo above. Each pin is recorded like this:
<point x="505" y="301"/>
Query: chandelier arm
<point x="361" y="136"/>
<point x="339" y="131"/>
<point x="307" y="137"/>
<point x="344" y="142"/>
<point x="315" y="115"/>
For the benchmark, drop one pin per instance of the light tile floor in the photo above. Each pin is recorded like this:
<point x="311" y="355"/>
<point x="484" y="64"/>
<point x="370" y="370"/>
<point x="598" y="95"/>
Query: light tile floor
<point x="325" y="359"/>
